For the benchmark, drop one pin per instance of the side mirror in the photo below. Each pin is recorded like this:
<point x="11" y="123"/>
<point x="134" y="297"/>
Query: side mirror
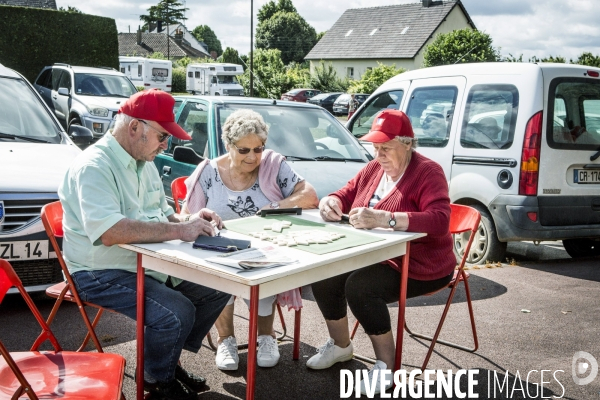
<point x="186" y="155"/>
<point x="80" y="134"/>
<point x="63" y="91"/>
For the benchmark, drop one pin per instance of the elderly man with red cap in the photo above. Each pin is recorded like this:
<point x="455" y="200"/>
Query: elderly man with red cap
<point x="399" y="190"/>
<point x="112" y="194"/>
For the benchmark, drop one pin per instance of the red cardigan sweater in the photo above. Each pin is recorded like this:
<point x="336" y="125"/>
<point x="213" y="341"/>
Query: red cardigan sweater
<point x="422" y="192"/>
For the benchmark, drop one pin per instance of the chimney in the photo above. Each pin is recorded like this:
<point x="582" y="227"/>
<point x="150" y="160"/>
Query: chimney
<point x="139" y="36"/>
<point x="427" y="3"/>
<point x="213" y="55"/>
<point x="178" y="37"/>
<point x="159" y="27"/>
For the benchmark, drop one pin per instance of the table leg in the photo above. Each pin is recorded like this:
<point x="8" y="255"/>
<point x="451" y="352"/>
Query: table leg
<point x="296" y="354"/>
<point x="140" y="329"/>
<point x="252" y="337"/>
<point x="402" y="309"/>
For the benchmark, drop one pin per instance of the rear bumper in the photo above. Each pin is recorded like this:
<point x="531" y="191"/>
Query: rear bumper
<point x="513" y="224"/>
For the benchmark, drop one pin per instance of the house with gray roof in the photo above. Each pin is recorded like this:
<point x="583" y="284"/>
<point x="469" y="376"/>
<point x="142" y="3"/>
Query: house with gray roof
<point x="188" y="38"/>
<point x="143" y="44"/>
<point x="396" y="34"/>
<point x="51" y="4"/>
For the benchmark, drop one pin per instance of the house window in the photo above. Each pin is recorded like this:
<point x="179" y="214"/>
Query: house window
<point x="350" y="72"/>
<point x="374" y="31"/>
<point x="404" y="31"/>
<point x="349" y="32"/>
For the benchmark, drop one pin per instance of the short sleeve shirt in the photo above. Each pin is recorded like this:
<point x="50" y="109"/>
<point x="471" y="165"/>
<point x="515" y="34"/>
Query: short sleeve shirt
<point x="231" y="204"/>
<point x="104" y="185"/>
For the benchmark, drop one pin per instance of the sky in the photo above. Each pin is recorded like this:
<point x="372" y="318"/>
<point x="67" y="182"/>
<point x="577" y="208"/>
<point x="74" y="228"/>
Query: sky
<point x="530" y="27"/>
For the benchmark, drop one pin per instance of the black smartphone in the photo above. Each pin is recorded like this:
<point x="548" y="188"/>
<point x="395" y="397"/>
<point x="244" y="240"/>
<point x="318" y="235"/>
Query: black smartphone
<point x="278" y="211"/>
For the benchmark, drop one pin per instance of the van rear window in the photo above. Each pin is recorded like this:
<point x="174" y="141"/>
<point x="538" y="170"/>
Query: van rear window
<point x="430" y="111"/>
<point x="573" y="121"/>
<point x="490" y="117"/>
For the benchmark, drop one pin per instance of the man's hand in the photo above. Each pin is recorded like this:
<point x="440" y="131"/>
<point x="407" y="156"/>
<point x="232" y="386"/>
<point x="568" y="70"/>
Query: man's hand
<point x="210" y="215"/>
<point x="330" y="209"/>
<point x="189" y="231"/>
<point x="367" y="218"/>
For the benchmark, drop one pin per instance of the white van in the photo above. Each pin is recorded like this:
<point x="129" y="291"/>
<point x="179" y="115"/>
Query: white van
<point x="518" y="141"/>
<point x="148" y="72"/>
<point x="214" y="79"/>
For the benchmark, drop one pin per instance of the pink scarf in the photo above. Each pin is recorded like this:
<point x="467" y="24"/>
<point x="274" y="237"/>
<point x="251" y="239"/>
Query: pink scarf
<point x="267" y="179"/>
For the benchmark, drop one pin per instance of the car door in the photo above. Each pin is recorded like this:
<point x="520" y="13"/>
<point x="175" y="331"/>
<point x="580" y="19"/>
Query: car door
<point x="62" y="102"/>
<point x="193" y="117"/>
<point x="56" y="76"/>
<point x="43" y="85"/>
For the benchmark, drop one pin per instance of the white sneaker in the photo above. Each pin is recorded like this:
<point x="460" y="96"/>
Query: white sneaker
<point x="330" y="354"/>
<point x="227" y="358"/>
<point x="372" y="388"/>
<point x="268" y="351"/>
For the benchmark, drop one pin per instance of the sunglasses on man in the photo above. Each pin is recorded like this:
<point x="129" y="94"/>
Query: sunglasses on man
<point x="163" y="136"/>
<point x="246" y="150"/>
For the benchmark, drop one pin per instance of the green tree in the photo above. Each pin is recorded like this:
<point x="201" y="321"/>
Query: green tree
<point x="70" y="9"/>
<point x="288" y="32"/>
<point x="168" y="11"/>
<point x="231" y="56"/>
<point x="270" y="76"/>
<point x="204" y="34"/>
<point x="587" y="59"/>
<point x="269" y="9"/>
<point x="374" y="78"/>
<point x="325" y="79"/>
<point x="157" y="55"/>
<point x="460" y="46"/>
<point x="550" y="59"/>
<point x="320" y="35"/>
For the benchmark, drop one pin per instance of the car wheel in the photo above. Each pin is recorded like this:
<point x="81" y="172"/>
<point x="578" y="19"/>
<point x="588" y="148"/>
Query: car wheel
<point x="74" y="121"/>
<point x="485" y="246"/>
<point x="578" y="248"/>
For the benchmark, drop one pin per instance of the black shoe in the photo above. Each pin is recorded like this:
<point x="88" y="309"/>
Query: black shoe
<point x="173" y="390"/>
<point x="194" y="382"/>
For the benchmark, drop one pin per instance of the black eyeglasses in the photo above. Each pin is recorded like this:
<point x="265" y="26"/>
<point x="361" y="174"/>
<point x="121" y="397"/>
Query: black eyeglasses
<point x="163" y="136"/>
<point x="245" y="150"/>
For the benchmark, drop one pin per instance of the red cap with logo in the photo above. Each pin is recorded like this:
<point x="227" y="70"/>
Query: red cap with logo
<point x="154" y="105"/>
<point x="387" y="125"/>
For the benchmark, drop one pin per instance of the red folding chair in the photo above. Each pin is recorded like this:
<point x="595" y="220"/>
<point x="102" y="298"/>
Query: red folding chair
<point x="52" y="215"/>
<point x="179" y="191"/>
<point x="55" y="374"/>
<point x="463" y="221"/>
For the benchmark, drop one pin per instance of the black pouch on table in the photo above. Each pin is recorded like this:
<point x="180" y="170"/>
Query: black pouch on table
<point x="220" y="244"/>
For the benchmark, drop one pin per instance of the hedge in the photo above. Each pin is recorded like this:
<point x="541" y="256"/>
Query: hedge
<point x="33" y="38"/>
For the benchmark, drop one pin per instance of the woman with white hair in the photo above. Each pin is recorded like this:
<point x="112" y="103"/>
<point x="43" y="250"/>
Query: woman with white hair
<point x="238" y="184"/>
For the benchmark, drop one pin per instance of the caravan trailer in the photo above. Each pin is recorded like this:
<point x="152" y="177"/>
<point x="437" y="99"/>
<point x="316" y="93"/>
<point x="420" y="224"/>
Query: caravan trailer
<point x="215" y="79"/>
<point x="147" y="72"/>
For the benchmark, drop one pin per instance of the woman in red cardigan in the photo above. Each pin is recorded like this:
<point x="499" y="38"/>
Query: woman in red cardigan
<point x="400" y="190"/>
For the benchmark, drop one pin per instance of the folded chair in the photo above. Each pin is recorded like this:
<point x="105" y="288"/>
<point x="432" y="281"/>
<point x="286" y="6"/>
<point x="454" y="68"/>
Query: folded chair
<point x="179" y="191"/>
<point x="55" y="374"/>
<point x="463" y="221"/>
<point x="52" y="215"/>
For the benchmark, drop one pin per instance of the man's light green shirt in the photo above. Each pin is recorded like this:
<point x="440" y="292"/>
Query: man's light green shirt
<point x="104" y="185"/>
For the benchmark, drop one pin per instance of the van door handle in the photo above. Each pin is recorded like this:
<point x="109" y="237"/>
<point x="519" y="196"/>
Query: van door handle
<point x="166" y="170"/>
<point x="54" y="97"/>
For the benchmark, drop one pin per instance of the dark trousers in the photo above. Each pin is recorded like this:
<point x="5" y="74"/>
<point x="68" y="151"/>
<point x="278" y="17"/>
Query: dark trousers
<point x="368" y="291"/>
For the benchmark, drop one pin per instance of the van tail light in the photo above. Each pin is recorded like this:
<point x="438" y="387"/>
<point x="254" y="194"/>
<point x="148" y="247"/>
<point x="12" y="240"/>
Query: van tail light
<point x="168" y="85"/>
<point x="530" y="157"/>
<point x="146" y="84"/>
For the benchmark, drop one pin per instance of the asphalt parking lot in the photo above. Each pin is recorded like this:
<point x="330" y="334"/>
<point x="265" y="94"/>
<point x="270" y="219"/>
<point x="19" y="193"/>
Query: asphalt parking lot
<point x="531" y="316"/>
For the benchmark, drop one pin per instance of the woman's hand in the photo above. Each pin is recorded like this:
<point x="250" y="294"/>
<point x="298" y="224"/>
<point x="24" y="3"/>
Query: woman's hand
<point x="367" y="218"/>
<point x="210" y="215"/>
<point x="330" y="209"/>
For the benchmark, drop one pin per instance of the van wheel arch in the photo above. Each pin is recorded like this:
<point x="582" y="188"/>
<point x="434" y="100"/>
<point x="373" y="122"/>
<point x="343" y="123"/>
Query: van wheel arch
<point x="485" y="246"/>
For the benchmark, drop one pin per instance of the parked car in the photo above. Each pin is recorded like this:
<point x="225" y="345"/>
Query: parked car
<point x="340" y="106"/>
<point x="518" y="142"/>
<point x="325" y="100"/>
<point x="35" y="153"/>
<point x="301" y="95"/>
<point x="312" y="140"/>
<point x="84" y="96"/>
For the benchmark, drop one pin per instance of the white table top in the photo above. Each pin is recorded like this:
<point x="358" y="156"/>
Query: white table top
<point x="180" y="259"/>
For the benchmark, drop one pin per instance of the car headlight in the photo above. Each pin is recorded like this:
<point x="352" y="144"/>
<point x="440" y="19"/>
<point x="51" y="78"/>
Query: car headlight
<point x="98" y="111"/>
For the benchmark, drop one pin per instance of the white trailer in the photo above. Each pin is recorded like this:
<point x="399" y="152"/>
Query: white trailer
<point x="215" y="79"/>
<point x="148" y="72"/>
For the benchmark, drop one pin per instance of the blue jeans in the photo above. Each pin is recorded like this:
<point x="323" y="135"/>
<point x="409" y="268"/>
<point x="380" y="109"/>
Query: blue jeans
<point x="176" y="318"/>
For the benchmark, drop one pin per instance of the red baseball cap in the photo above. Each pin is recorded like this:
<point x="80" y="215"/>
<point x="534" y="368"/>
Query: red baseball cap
<point x="387" y="125"/>
<point x="154" y="105"/>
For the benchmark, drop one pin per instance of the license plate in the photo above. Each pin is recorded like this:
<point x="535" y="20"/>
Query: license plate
<point x="19" y="251"/>
<point x="586" y="175"/>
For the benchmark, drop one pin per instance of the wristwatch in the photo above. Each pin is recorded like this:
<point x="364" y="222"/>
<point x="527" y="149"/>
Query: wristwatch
<point x="392" y="221"/>
<point x="274" y="205"/>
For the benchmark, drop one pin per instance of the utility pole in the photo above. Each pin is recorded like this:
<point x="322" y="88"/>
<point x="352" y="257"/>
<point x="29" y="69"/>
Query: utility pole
<point x="251" y="47"/>
<point x="168" y="39"/>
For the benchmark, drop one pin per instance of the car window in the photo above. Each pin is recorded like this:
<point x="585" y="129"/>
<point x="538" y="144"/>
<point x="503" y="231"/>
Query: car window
<point x="87" y="84"/>
<point x="194" y="120"/>
<point x="430" y="111"/>
<point x="176" y="106"/>
<point x="574" y="114"/>
<point x="301" y="132"/>
<point x="343" y="98"/>
<point x="44" y="79"/>
<point x="65" y="81"/>
<point x="490" y="117"/>
<point x="56" y="73"/>
<point x="362" y="123"/>
<point x="22" y="113"/>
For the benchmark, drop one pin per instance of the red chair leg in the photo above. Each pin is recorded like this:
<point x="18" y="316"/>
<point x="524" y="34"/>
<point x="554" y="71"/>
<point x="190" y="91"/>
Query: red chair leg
<point x="354" y="329"/>
<point x="92" y="333"/>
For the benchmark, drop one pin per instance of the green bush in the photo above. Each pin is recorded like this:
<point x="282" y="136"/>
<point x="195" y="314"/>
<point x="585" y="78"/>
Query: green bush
<point x="178" y="84"/>
<point x="33" y="38"/>
<point x="373" y="78"/>
<point x="140" y="88"/>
